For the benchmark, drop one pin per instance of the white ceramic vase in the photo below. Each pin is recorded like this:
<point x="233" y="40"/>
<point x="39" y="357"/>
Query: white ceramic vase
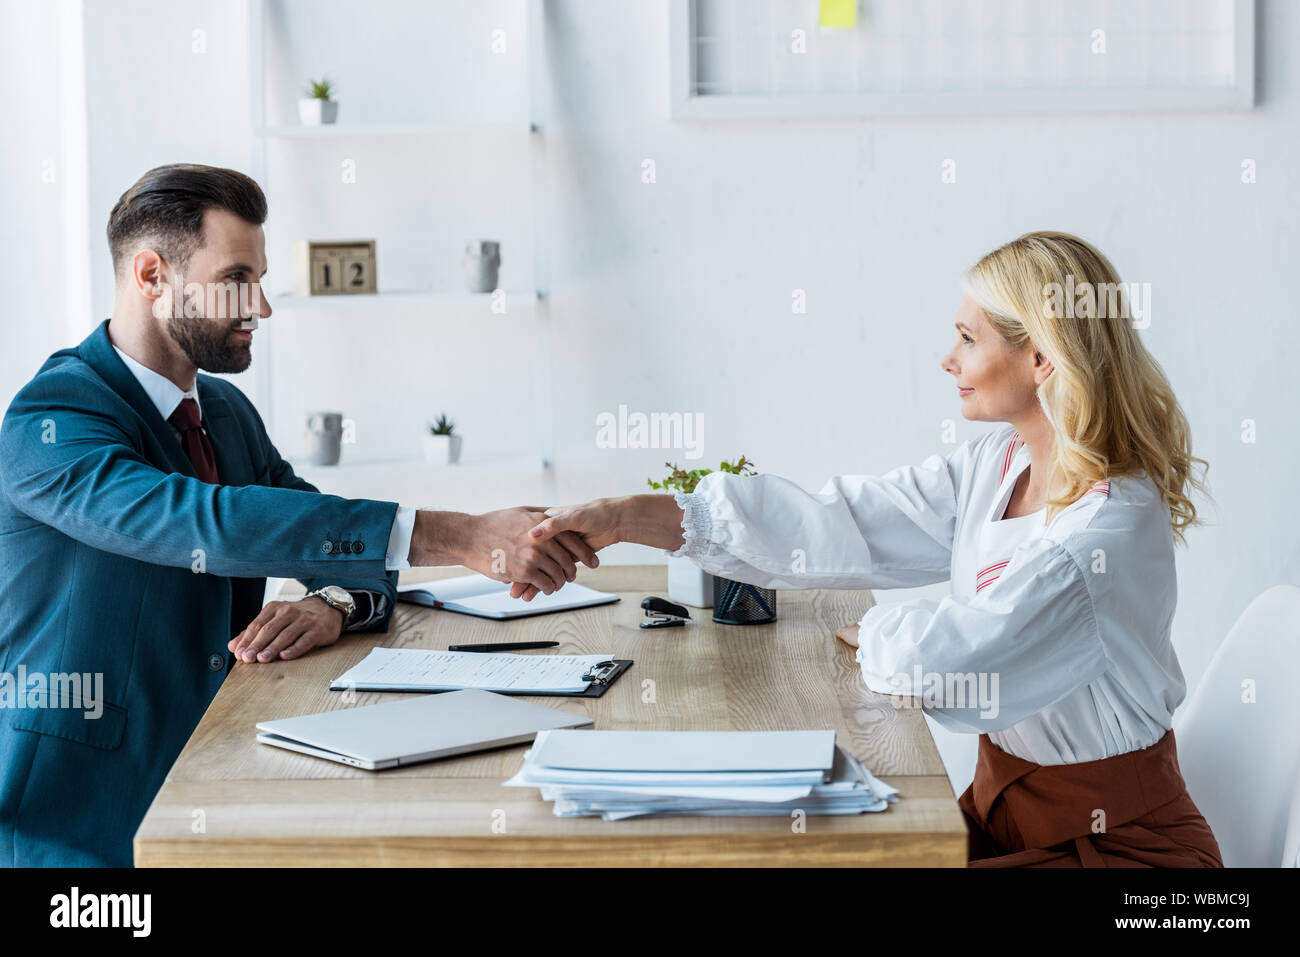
<point x="441" y="449"/>
<point x="316" y="112"/>
<point x="688" y="584"/>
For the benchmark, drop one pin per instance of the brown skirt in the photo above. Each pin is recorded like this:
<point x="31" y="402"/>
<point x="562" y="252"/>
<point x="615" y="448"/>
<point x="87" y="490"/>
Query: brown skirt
<point x="1129" y="810"/>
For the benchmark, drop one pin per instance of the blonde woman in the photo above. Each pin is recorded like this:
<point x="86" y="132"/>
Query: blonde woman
<point x="1057" y="532"/>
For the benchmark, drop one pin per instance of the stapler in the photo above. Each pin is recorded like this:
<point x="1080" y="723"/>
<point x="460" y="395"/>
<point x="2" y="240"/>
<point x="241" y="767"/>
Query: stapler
<point x="663" y="614"/>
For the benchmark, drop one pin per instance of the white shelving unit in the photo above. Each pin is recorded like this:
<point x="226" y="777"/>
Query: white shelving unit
<point x="362" y="130"/>
<point x="475" y="483"/>
<point x="432" y="300"/>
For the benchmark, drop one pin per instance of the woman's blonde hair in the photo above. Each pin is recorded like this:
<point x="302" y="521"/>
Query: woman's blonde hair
<point x="1108" y="400"/>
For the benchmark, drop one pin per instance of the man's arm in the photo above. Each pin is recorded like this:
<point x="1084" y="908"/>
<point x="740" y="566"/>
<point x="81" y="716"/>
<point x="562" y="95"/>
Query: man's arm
<point x="73" y="466"/>
<point x="70" y="464"/>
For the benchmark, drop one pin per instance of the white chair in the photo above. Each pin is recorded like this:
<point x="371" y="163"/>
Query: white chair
<point x="1291" y="849"/>
<point x="1241" y="758"/>
<point x="959" y="753"/>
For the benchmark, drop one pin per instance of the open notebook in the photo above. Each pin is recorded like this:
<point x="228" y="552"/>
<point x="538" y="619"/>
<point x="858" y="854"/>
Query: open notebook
<point x="481" y="596"/>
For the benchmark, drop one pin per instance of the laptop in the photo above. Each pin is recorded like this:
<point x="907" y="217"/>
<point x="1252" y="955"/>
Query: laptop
<point x="418" y="729"/>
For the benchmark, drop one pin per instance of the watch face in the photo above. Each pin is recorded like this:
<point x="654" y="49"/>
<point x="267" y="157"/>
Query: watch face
<point x="338" y="593"/>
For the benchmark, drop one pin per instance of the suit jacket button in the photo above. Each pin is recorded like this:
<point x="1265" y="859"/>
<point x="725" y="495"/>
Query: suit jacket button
<point x="216" y="662"/>
<point x="345" y="546"/>
<point x="327" y="547"/>
<point x="358" y="548"/>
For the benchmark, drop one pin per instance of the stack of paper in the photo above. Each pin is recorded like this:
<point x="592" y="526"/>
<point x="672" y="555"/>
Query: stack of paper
<point x="621" y="774"/>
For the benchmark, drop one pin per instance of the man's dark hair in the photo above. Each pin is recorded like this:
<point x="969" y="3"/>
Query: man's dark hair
<point x="166" y="206"/>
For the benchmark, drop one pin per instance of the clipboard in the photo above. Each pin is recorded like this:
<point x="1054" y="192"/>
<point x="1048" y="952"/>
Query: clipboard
<point x="602" y="676"/>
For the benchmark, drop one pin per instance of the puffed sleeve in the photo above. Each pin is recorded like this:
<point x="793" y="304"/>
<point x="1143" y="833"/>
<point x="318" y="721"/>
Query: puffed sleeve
<point x="987" y="662"/>
<point x="860" y="531"/>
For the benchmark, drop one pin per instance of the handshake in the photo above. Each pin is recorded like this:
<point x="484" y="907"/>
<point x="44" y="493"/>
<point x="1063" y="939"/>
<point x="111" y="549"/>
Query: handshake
<point x="537" y="549"/>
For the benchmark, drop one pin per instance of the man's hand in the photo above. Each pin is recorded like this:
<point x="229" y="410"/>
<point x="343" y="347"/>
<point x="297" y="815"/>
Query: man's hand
<point x="848" y="634"/>
<point x="654" y="520"/>
<point x="288" y="629"/>
<point x="496" y="544"/>
<point x="594" y="524"/>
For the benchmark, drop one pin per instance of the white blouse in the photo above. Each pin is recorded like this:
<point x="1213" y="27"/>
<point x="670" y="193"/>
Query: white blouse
<point x="1055" y="640"/>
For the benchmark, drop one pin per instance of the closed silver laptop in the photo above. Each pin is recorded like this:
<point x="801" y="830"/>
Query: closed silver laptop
<point x="421" y="728"/>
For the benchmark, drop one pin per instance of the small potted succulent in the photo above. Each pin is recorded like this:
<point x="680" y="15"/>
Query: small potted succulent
<point x="441" y="444"/>
<point x="688" y="584"/>
<point x="316" y="107"/>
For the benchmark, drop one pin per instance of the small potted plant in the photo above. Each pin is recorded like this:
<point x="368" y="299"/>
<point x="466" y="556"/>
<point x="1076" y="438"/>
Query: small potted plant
<point x="441" y="444"/>
<point x="316" y="107"/>
<point x="688" y="584"/>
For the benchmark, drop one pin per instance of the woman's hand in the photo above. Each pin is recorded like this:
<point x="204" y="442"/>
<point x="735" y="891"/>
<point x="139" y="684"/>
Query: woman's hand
<point x="848" y="634"/>
<point x="654" y="520"/>
<point x="598" y="522"/>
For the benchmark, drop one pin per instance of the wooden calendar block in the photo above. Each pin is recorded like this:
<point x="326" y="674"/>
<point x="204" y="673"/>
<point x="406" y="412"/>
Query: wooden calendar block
<point x="335" y="268"/>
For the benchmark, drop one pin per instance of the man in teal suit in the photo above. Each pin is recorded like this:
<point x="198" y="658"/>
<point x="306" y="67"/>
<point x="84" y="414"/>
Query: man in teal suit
<point x="142" y="506"/>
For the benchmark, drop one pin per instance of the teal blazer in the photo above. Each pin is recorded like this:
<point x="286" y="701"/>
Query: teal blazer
<point x="116" y="561"/>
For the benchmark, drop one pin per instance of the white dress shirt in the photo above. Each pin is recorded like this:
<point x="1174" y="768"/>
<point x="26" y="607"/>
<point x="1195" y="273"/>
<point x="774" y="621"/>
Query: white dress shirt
<point x="1067" y="625"/>
<point x="166" y="396"/>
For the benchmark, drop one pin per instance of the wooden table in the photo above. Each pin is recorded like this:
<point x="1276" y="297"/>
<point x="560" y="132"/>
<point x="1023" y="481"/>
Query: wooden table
<point x="232" y="801"/>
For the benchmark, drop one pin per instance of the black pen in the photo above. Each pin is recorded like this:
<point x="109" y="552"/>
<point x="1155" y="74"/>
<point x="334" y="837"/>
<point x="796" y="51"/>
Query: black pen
<point x="505" y="646"/>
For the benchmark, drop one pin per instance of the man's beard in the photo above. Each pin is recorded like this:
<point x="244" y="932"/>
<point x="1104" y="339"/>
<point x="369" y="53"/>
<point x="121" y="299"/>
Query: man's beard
<point x="206" y="343"/>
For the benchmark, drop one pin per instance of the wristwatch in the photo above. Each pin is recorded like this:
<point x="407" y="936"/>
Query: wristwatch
<point x="336" y="596"/>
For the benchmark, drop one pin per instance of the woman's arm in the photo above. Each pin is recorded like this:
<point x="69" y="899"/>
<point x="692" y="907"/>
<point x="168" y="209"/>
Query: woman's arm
<point x="860" y="531"/>
<point x="650" y="519"/>
<point x="986" y="662"/>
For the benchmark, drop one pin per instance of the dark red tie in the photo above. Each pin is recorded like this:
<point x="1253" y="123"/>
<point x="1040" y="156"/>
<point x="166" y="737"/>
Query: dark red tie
<point x="194" y="441"/>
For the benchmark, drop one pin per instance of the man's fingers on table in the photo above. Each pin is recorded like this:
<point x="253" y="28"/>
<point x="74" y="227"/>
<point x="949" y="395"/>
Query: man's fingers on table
<point x="267" y="633"/>
<point x="283" y="640"/>
<point x="269" y="610"/>
<point x="298" y="648"/>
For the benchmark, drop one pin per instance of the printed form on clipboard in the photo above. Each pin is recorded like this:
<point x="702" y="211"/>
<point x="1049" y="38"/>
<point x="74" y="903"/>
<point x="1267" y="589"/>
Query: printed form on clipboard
<point x="425" y="670"/>
<point x="487" y="598"/>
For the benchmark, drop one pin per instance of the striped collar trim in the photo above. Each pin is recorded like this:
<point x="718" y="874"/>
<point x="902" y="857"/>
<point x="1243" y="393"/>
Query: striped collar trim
<point x="1012" y="448"/>
<point x="1016" y="443"/>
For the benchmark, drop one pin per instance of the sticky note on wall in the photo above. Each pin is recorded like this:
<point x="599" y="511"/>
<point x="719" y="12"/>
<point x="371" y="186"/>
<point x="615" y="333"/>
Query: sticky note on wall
<point x="838" y="13"/>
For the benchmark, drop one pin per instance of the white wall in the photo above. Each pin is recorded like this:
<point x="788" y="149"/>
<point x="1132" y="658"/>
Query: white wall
<point x="165" y="83"/>
<point x="42" y="205"/>
<point x="676" y="295"/>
